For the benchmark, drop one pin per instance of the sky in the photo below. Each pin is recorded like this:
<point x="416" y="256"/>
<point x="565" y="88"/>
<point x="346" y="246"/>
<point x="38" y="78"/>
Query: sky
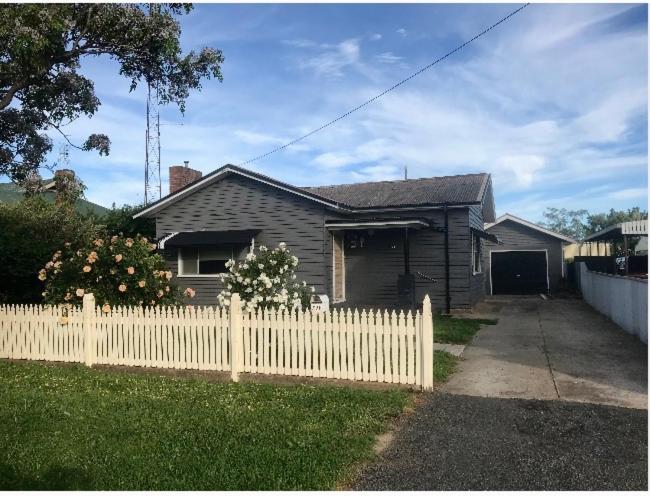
<point x="553" y="103"/>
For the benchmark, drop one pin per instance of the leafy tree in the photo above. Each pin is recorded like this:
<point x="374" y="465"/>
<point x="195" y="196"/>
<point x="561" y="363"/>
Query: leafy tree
<point x="31" y="230"/>
<point x="567" y="222"/>
<point x="119" y="220"/>
<point x="117" y="270"/>
<point x="41" y="88"/>
<point x="265" y="280"/>
<point x="598" y="222"/>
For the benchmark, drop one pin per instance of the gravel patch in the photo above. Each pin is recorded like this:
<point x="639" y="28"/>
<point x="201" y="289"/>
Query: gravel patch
<point x="454" y="442"/>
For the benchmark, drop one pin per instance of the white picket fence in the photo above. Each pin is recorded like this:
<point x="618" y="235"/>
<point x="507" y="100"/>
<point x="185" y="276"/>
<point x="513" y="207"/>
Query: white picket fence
<point x="362" y="346"/>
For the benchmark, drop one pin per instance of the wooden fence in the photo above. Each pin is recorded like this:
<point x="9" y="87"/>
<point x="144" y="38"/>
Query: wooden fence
<point x="363" y="346"/>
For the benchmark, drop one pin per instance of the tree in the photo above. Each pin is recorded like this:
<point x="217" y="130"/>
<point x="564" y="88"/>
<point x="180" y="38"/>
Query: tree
<point x="118" y="270"/>
<point x="567" y="222"/>
<point x="598" y="222"/>
<point x="119" y="220"/>
<point x="41" y="88"/>
<point x="33" y="229"/>
<point x="265" y="280"/>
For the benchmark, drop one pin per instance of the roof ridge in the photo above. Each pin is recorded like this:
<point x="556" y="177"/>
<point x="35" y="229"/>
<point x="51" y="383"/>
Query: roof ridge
<point x="396" y="181"/>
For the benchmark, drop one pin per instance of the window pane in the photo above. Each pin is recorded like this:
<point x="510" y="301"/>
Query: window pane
<point x="213" y="260"/>
<point x="189" y="258"/>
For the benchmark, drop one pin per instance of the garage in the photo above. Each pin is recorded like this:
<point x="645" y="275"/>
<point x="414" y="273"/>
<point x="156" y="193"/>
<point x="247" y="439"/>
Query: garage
<point x="527" y="259"/>
<point x="519" y="272"/>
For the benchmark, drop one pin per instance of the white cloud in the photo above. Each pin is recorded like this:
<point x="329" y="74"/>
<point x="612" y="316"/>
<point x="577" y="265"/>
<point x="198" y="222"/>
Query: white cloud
<point x="375" y="37"/>
<point x="388" y="58"/>
<point x="629" y="193"/>
<point x="401" y="31"/>
<point x="331" y="62"/>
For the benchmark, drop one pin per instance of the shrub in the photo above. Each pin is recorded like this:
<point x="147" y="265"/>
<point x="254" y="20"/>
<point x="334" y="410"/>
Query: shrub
<point x="265" y="280"/>
<point x="117" y="270"/>
<point x="32" y="229"/>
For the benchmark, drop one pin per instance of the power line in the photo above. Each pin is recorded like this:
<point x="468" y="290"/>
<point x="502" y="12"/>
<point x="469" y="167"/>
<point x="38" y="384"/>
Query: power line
<point x="395" y="86"/>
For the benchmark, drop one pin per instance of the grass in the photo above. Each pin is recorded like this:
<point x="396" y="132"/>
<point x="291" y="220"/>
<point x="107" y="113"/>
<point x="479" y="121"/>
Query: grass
<point x="444" y="364"/>
<point x="70" y="427"/>
<point x="454" y="330"/>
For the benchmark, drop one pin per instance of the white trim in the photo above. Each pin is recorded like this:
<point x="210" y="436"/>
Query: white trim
<point x="161" y="242"/>
<point x="531" y="225"/>
<point x="548" y="281"/>
<point x="334" y="299"/>
<point x="365" y="225"/>
<point x="473" y="238"/>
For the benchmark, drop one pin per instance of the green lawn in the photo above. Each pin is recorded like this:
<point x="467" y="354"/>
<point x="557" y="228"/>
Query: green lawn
<point x="448" y="329"/>
<point x="70" y="427"/>
<point x="444" y="364"/>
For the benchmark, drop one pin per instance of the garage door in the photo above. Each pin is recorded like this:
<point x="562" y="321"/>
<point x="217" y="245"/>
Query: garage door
<point x="519" y="272"/>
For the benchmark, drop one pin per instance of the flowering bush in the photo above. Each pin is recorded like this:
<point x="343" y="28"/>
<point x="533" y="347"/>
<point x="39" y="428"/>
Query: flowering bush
<point x="117" y="270"/>
<point x="265" y="280"/>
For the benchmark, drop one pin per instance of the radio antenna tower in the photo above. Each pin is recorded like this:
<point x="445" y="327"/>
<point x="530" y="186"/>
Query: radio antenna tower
<point x="152" y="186"/>
<point x="64" y="156"/>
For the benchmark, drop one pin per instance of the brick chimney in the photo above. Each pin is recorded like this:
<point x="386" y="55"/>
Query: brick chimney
<point x="181" y="175"/>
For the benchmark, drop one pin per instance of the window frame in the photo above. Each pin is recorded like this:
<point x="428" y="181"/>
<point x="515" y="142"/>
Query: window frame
<point x="180" y="267"/>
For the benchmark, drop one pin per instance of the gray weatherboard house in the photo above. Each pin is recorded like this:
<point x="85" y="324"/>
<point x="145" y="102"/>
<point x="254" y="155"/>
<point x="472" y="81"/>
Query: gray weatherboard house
<point x="379" y="244"/>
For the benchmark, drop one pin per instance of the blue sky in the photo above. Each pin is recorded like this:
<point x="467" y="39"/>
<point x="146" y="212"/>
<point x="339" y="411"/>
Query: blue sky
<point x="553" y="103"/>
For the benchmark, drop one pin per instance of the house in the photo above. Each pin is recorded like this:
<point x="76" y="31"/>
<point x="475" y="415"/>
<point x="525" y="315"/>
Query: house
<point x="13" y="193"/>
<point x="377" y="244"/>
<point x="529" y="260"/>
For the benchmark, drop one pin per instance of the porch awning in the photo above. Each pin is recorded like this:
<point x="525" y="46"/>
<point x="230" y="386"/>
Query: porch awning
<point x="617" y="231"/>
<point x="345" y="224"/>
<point x="485" y="235"/>
<point x="209" y="238"/>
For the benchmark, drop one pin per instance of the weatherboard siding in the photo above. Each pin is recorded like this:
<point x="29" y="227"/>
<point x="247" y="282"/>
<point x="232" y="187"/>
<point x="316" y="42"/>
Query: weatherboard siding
<point x="235" y="203"/>
<point x="516" y="236"/>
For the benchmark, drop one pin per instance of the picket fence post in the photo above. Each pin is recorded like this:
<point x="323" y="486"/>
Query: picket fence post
<point x="90" y="332"/>
<point x="426" y="353"/>
<point x="235" y="329"/>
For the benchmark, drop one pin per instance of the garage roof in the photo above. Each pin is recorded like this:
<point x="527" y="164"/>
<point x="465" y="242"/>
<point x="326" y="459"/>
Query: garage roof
<point x="530" y="225"/>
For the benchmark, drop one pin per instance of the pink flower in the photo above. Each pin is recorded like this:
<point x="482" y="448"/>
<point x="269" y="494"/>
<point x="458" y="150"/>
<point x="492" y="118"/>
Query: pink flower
<point x="122" y="287"/>
<point x="87" y="268"/>
<point x="106" y="308"/>
<point x="159" y="294"/>
<point x="118" y="257"/>
<point x="130" y="270"/>
<point x="80" y="292"/>
<point x="41" y="275"/>
<point x="129" y="242"/>
<point x="142" y="284"/>
<point x="190" y="292"/>
<point x="98" y="242"/>
<point x="92" y="257"/>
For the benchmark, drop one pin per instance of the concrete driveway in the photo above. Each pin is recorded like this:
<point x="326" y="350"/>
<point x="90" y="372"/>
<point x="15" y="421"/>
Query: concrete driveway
<point x="553" y="349"/>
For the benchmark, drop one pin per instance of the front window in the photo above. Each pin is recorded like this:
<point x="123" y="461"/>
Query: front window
<point x="476" y="254"/>
<point x="205" y="261"/>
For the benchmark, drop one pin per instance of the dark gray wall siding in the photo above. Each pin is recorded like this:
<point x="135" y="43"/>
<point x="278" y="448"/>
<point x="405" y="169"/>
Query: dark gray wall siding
<point x="372" y="271"/>
<point x="519" y="237"/>
<point x="239" y="203"/>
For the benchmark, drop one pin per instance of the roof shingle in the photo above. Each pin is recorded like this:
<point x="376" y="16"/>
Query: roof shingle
<point x="461" y="189"/>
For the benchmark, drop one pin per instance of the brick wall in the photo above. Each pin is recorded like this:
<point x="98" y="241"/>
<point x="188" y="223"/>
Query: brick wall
<point x="180" y="176"/>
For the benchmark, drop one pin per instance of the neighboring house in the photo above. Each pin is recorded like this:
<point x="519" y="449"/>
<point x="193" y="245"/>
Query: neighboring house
<point x="380" y="244"/>
<point x="12" y="193"/>
<point x="530" y="259"/>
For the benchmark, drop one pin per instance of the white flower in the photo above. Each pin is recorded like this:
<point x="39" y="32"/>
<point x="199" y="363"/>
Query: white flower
<point x="240" y="278"/>
<point x="261" y="266"/>
<point x="293" y="276"/>
<point x="294" y="260"/>
<point x="263" y="248"/>
<point x="282" y="246"/>
<point x="313" y="289"/>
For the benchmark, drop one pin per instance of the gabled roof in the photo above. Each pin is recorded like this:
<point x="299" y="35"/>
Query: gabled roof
<point x="450" y="190"/>
<point x="530" y="225"/>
